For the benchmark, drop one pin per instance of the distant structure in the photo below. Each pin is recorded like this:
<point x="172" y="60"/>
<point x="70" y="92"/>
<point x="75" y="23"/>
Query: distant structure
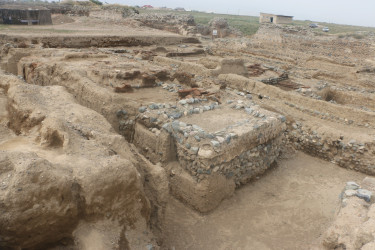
<point x="18" y="14"/>
<point x="276" y="19"/>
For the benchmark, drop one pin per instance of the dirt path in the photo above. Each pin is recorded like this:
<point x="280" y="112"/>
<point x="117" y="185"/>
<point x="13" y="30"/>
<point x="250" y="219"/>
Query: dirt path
<point x="288" y="208"/>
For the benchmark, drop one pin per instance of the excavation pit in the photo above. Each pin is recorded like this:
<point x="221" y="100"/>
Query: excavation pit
<point x="201" y="148"/>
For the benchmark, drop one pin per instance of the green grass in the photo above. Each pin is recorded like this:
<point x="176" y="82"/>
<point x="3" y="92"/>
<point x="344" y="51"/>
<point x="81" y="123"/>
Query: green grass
<point x="249" y="25"/>
<point x="336" y="28"/>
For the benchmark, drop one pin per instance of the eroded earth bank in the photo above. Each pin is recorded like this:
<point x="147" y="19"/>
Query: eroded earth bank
<point x="152" y="140"/>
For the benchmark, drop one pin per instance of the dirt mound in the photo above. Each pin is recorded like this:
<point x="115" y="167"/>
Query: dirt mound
<point x="182" y="24"/>
<point x="60" y="19"/>
<point x="76" y="187"/>
<point x="222" y="27"/>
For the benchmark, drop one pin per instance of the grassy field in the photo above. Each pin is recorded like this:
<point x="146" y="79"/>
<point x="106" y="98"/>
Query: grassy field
<point x="248" y="25"/>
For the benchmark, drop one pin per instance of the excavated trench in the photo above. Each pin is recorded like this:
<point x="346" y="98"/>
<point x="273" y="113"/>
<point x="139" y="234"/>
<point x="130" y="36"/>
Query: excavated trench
<point x="288" y="207"/>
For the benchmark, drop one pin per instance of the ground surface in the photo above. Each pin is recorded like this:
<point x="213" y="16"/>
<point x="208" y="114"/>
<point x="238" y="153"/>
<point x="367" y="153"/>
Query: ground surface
<point x="329" y="115"/>
<point x="93" y="26"/>
<point x="288" y="208"/>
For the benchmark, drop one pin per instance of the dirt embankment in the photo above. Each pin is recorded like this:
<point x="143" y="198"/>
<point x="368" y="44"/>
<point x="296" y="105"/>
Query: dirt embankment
<point x="73" y="167"/>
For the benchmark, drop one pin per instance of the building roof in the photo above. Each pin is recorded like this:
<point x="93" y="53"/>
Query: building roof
<point x="275" y="15"/>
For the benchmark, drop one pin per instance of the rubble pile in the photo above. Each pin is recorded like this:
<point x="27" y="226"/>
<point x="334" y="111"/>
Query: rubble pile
<point x="181" y="24"/>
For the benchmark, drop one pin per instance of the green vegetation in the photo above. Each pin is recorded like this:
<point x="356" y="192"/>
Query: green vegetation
<point x="249" y="25"/>
<point x="335" y="28"/>
<point x="353" y="35"/>
<point x="97" y="2"/>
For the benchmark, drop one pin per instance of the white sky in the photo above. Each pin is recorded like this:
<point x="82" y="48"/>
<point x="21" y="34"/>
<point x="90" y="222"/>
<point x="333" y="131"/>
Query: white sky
<point x="354" y="12"/>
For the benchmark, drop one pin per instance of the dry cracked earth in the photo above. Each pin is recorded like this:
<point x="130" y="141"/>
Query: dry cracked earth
<point x="152" y="140"/>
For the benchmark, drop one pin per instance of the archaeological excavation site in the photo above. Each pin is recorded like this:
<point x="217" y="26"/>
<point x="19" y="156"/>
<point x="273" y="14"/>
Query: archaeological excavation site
<point x="142" y="131"/>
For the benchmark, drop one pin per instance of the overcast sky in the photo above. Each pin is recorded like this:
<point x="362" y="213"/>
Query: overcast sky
<point x="354" y="12"/>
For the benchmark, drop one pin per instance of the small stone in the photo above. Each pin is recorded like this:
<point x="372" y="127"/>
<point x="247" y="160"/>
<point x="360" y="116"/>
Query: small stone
<point x="196" y="110"/>
<point x="206" y="108"/>
<point x="197" y="138"/>
<point x="352" y="141"/>
<point x="249" y="96"/>
<point x="142" y="109"/>
<point x="196" y="127"/>
<point x="228" y="139"/>
<point x="175" y="115"/>
<point x="153" y="106"/>
<point x="167" y="128"/>
<point x="220" y="139"/>
<point x="249" y="110"/>
<point x="187" y="145"/>
<point x="121" y="112"/>
<point x="182" y="102"/>
<point x="233" y="135"/>
<point x="239" y="106"/>
<point x="176" y="126"/>
<point x="190" y="100"/>
<point x="209" y="136"/>
<point x="351" y="185"/>
<point x="350" y="192"/>
<point x="364" y="194"/>
<point x="194" y="150"/>
<point x="205" y="153"/>
<point x="215" y="143"/>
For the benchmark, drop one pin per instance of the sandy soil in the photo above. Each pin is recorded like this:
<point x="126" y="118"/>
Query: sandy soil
<point x="216" y="120"/>
<point x="92" y="25"/>
<point x="288" y="208"/>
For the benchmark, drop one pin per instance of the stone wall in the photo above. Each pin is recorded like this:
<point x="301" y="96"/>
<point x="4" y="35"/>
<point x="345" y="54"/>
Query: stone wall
<point x="326" y="143"/>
